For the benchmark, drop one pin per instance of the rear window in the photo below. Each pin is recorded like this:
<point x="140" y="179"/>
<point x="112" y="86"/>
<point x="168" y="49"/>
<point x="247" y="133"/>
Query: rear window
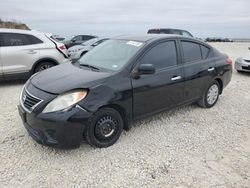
<point x="16" y="39"/>
<point x="153" y="31"/>
<point x="191" y="51"/>
<point x="186" y="34"/>
<point x="159" y="31"/>
<point x="175" y="32"/>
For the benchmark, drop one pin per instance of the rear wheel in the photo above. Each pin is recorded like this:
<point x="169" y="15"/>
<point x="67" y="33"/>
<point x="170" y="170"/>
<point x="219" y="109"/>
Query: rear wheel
<point x="104" y="128"/>
<point x="211" y="95"/>
<point x="43" y="65"/>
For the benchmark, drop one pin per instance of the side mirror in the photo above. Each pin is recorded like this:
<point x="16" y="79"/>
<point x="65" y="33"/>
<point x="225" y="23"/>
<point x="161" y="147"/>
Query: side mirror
<point x="73" y="40"/>
<point x="146" y="69"/>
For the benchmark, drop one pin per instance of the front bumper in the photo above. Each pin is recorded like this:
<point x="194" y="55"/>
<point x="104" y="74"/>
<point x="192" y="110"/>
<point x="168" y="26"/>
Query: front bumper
<point x="242" y="65"/>
<point x="62" y="129"/>
<point x="53" y="130"/>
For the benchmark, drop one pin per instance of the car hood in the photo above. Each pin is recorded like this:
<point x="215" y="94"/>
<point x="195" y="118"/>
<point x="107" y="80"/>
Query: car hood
<point x="66" y="77"/>
<point x="246" y="56"/>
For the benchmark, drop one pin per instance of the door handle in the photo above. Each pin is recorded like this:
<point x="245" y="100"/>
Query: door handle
<point x="210" y="69"/>
<point x="32" y="52"/>
<point x="176" y="78"/>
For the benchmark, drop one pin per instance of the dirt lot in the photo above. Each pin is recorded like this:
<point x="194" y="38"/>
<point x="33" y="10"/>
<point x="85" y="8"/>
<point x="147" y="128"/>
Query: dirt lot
<point x="186" y="147"/>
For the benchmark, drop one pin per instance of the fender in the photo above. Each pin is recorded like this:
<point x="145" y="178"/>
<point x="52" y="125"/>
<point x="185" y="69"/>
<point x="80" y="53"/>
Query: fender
<point x="108" y="97"/>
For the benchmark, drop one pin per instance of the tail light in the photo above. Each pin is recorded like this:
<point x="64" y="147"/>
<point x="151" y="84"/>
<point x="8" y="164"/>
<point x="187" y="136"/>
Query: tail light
<point x="62" y="47"/>
<point x="229" y="61"/>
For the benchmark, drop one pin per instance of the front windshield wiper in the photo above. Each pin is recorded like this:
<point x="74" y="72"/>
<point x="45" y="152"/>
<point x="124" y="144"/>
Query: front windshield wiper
<point x="89" y="66"/>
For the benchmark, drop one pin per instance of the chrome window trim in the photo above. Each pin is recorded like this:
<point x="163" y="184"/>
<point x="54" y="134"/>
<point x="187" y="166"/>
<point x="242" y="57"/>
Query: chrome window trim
<point x="78" y="106"/>
<point x="22" y="102"/>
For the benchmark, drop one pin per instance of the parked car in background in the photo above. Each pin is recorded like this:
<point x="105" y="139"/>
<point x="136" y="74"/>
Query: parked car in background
<point x="242" y="64"/>
<point x="121" y="80"/>
<point x="218" y="39"/>
<point x="77" y="51"/>
<point x="58" y="38"/>
<point x="170" y="31"/>
<point x="76" y="40"/>
<point x="24" y="52"/>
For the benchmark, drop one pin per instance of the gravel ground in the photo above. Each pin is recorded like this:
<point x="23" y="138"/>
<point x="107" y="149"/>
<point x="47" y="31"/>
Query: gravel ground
<point x="185" y="147"/>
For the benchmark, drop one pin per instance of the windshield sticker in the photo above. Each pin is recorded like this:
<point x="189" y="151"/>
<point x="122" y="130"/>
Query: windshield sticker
<point x="134" y="43"/>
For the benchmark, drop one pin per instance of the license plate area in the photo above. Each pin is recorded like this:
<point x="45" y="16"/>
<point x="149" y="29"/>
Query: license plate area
<point x="246" y="67"/>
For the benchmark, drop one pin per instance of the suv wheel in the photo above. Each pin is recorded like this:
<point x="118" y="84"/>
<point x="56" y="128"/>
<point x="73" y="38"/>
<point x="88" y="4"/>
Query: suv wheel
<point x="104" y="128"/>
<point x="211" y="95"/>
<point x="43" y="65"/>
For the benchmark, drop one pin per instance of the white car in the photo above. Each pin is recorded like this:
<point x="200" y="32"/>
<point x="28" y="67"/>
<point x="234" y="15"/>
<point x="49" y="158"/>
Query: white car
<point x="77" y="51"/>
<point x="242" y="64"/>
<point x="23" y="53"/>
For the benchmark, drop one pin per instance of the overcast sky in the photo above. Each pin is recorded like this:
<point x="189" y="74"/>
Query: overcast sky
<point x="226" y="18"/>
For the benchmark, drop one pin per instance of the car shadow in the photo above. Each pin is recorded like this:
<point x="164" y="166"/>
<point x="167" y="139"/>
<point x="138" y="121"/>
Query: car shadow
<point x="12" y="82"/>
<point x="244" y="73"/>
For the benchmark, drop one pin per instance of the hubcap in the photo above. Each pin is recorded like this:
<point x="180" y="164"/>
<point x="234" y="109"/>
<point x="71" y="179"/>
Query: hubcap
<point x="43" y="67"/>
<point x="105" y="128"/>
<point x="213" y="93"/>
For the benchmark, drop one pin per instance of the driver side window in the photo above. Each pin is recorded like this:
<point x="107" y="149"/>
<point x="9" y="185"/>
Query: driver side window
<point x="162" y="55"/>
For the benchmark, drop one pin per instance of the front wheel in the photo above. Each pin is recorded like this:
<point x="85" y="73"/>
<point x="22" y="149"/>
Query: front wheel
<point x="211" y="95"/>
<point x="104" y="128"/>
<point x="43" y="65"/>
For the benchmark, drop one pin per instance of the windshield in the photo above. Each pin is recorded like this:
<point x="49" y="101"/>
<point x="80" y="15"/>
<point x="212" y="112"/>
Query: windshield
<point x="89" y="42"/>
<point x="69" y="38"/>
<point x="111" y="54"/>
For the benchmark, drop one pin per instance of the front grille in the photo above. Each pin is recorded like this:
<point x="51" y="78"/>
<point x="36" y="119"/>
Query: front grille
<point x="247" y="60"/>
<point x="246" y="68"/>
<point x="29" y="101"/>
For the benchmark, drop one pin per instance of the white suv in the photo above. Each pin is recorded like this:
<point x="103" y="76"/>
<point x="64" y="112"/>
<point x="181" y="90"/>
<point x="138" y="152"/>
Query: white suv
<point x="23" y="53"/>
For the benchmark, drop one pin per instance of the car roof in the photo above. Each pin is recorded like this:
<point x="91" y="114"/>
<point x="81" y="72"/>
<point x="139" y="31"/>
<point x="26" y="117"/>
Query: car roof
<point x="168" y="29"/>
<point x="148" y="37"/>
<point x="22" y="31"/>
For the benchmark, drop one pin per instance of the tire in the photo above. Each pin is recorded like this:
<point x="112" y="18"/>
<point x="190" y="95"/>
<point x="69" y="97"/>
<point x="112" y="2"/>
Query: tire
<point x="43" y="65"/>
<point x="104" y="128"/>
<point x="211" y="95"/>
<point x="239" y="71"/>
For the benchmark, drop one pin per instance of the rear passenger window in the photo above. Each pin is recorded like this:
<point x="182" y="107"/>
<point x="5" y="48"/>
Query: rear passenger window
<point x="34" y="40"/>
<point x="191" y="51"/>
<point x="162" y="55"/>
<point x="15" y="39"/>
<point x="204" y="51"/>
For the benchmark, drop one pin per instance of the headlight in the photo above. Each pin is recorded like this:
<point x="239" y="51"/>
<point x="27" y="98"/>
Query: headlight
<point x="65" y="101"/>
<point x="239" y="60"/>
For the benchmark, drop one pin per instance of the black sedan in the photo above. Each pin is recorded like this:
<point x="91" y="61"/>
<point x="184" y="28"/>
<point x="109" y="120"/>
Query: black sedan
<point x="119" y="81"/>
